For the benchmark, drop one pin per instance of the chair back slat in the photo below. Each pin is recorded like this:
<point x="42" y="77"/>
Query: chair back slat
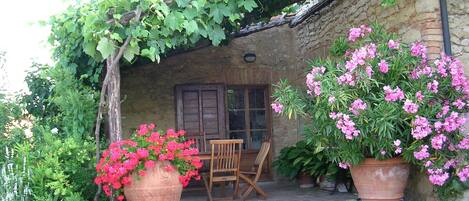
<point x="263" y="152"/>
<point x="228" y="155"/>
<point x="200" y="142"/>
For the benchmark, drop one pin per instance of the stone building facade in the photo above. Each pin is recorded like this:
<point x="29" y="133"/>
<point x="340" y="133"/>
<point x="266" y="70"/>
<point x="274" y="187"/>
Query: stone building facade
<point x="458" y="17"/>
<point x="281" y="53"/>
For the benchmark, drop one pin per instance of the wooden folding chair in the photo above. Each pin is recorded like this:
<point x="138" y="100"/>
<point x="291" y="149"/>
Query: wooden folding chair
<point x="200" y="142"/>
<point x="224" y="164"/>
<point x="251" y="177"/>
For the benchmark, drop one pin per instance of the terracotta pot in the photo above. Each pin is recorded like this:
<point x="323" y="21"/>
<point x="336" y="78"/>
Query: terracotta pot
<point x="380" y="180"/>
<point x="157" y="185"/>
<point x="305" y="181"/>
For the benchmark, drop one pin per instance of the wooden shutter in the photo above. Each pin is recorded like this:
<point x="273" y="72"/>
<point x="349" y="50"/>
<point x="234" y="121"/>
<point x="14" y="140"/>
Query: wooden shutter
<point x="200" y="109"/>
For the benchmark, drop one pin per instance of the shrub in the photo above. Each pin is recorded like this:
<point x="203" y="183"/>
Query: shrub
<point x="379" y="98"/>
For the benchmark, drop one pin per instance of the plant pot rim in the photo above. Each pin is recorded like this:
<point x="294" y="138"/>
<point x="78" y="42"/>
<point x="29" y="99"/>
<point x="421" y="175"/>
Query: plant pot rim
<point x="373" y="161"/>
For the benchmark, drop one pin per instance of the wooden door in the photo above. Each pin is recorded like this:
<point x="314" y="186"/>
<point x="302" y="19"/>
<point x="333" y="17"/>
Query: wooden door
<point x="200" y="110"/>
<point x="249" y="118"/>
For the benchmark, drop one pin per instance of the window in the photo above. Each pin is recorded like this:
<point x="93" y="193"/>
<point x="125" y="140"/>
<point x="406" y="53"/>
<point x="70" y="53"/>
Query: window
<point x="200" y="110"/>
<point x="248" y="115"/>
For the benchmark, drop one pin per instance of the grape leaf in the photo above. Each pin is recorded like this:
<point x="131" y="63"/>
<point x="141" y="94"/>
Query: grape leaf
<point x="105" y="47"/>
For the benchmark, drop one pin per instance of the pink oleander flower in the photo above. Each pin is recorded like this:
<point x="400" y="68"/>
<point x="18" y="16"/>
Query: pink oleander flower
<point x="347" y="126"/>
<point x="356" y="106"/>
<point x="314" y="86"/>
<point x="438" y="141"/>
<point x="369" y="71"/>
<point x="383" y="66"/>
<point x="459" y="104"/>
<point x="331" y="99"/>
<point x="450" y="164"/>
<point x="441" y="65"/>
<point x="464" y="143"/>
<point x="359" y="32"/>
<point x="382" y="152"/>
<point x="333" y="115"/>
<point x="453" y="122"/>
<point x="418" y="50"/>
<point x="392" y="95"/>
<point x="397" y="144"/>
<point x="277" y="107"/>
<point x="419" y="96"/>
<point x="421" y="127"/>
<point x="346" y="79"/>
<point x="410" y="107"/>
<point x="444" y="110"/>
<point x="423" y="153"/>
<point x="393" y="44"/>
<point x="398" y="150"/>
<point x="354" y="34"/>
<point x="438" y="176"/>
<point x="344" y="165"/>
<point x="433" y="86"/>
<point x="428" y="164"/>
<point x="463" y="174"/>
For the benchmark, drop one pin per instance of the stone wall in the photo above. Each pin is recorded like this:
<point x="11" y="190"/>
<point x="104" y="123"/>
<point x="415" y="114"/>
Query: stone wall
<point x="458" y="17"/>
<point x="412" y="20"/>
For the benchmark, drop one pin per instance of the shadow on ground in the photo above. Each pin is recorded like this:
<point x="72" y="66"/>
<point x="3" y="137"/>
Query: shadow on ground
<point x="280" y="192"/>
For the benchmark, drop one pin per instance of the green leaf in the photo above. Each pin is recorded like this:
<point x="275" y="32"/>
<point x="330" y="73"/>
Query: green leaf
<point x="190" y="26"/>
<point x="174" y="20"/>
<point x="218" y="11"/>
<point x="105" y="47"/>
<point x="249" y="5"/>
<point x="199" y="4"/>
<point x="116" y="36"/>
<point x="216" y="35"/>
<point x="90" y="48"/>
<point x="182" y="3"/>
<point x="130" y="52"/>
<point x="151" y="53"/>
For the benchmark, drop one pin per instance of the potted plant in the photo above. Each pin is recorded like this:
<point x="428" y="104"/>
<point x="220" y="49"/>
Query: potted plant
<point x="378" y="105"/>
<point x="304" y="162"/>
<point x="151" y="165"/>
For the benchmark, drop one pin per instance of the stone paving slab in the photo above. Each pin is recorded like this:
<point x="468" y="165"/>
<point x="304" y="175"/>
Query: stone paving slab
<point x="282" y="192"/>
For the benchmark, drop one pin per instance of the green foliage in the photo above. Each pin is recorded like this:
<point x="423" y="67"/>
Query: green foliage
<point x="304" y="157"/>
<point x="386" y="3"/>
<point x="292" y="98"/>
<point x="76" y="104"/>
<point x="37" y="101"/>
<point x="63" y="167"/>
<point x="9" y="112"/>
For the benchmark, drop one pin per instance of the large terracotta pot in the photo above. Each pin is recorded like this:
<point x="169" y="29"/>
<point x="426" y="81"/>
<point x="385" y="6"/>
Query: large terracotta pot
<point x="380" y="180"/>
<point x="157" y="185"/>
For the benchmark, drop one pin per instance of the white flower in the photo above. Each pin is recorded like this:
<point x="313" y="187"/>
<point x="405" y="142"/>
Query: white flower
<point x="54" y="131"/>
<point x="28" y="133"/>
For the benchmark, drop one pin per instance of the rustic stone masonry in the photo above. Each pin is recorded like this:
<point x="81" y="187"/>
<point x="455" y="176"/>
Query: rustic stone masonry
<point x="458" y="17"/>
<point x="412" y="20"/>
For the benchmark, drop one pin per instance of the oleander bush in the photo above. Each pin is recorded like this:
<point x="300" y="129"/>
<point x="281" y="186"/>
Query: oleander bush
<point x="376" y="97"/>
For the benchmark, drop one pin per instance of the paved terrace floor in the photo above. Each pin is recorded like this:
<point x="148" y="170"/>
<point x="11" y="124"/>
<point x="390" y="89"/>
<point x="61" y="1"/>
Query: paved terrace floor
<point x="281" y="192"/>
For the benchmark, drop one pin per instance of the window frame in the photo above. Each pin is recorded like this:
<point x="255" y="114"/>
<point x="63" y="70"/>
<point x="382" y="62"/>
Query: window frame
<point x="247" y="113"/>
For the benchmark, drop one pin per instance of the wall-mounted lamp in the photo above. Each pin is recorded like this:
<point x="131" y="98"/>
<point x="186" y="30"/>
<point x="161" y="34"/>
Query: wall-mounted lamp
<point x="249" y="57"/>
